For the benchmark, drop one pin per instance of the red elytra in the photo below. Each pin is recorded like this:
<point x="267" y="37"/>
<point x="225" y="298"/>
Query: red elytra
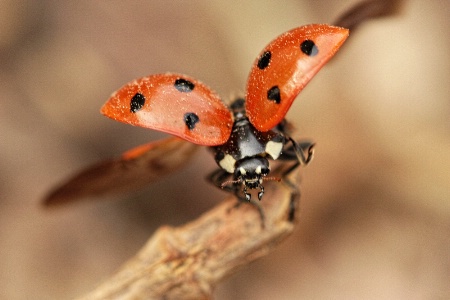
<point x="291" y="70"/>
<point x="165" y="107"/>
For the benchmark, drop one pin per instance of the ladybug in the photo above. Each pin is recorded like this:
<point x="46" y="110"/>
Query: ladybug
<point x="244" y="136"/>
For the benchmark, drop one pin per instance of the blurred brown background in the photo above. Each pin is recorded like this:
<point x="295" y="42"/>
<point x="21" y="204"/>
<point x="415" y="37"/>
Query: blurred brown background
<point x="375" y="211"/>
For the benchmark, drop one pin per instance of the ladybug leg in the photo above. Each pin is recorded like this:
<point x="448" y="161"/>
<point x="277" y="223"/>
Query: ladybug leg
<point x="262" y="216"/>
<point x="247" y="198"/>
<point x="247" y="195"/>
<point x="302" y="152"/>
<point x="261" y="192"/>
<point x="219" y="176"/>
<point x="297" y="149"/>
<point x="308" y="148"/>
<point x="295" y="192"/>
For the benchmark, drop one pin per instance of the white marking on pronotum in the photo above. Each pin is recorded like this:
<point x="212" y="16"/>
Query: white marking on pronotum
<point x="227" y="163"/>
<point x="274" y="149"/>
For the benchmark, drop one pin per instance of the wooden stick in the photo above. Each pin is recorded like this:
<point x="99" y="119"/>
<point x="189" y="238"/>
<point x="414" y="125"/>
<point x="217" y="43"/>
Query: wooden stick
<point x="187" y="262"/>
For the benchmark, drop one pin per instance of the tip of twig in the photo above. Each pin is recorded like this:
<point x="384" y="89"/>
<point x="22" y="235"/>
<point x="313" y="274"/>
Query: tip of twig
<point x="366" y="10"/>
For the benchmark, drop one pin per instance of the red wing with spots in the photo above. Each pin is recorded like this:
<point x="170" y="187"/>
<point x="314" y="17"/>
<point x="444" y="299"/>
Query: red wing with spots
<point x="134" y="169"/>
<point x="175" y="104"/>
<point x="284" y="68"/>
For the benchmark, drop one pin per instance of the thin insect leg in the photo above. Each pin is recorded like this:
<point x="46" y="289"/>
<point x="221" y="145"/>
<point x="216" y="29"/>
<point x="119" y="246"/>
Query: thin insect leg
<point x="219" y="176"/>
<point x="300" y="153"/>
<point x="262" y="216"/>
<point x="296" y="151"/>
<point x="247" y="199"/>
<point x="290" y="153"/>
<point x="295" y="192"/>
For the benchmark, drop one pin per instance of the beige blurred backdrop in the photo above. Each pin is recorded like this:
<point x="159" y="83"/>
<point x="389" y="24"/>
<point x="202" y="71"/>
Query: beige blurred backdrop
<point x="375" y="210"/>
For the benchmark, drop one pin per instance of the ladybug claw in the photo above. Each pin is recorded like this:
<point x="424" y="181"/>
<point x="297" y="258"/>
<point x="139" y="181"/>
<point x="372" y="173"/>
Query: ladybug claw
<point x="248" y="196"/>
<point x="261" y="193"/>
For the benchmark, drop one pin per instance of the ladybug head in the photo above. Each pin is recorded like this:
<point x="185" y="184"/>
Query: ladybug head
<point x="251" y="171"/>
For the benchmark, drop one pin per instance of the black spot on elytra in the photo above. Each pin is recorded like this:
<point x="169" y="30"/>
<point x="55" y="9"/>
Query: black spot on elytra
<point x="184" y="85"/>
<point x="264" y="60"/>
<point x="309" y="48"/>
<point x="274" y="94"/>
<point x="137" y="102"/>
<point x="191" y="119"/>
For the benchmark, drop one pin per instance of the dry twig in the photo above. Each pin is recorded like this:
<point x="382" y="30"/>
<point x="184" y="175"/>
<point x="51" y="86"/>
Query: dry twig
<point x="187" y="262"/>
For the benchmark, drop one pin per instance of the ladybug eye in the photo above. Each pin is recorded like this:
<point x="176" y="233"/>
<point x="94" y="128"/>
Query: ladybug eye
<point x="264" y="171"/>
<point x="137" y="102"/>
<point x="240" y="172"/>
<point x="309" y="48"/>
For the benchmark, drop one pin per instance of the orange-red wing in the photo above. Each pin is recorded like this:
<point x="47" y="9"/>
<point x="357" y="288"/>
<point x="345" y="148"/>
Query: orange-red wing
<point x="283" y="69"/>
<point x="134" y="169"/>
<point x="173" y="103"/>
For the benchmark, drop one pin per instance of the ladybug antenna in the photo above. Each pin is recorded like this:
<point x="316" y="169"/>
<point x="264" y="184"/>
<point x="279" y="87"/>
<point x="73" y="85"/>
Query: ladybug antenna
<point x="278" y="179"/>
<point x="223" y="184"/>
